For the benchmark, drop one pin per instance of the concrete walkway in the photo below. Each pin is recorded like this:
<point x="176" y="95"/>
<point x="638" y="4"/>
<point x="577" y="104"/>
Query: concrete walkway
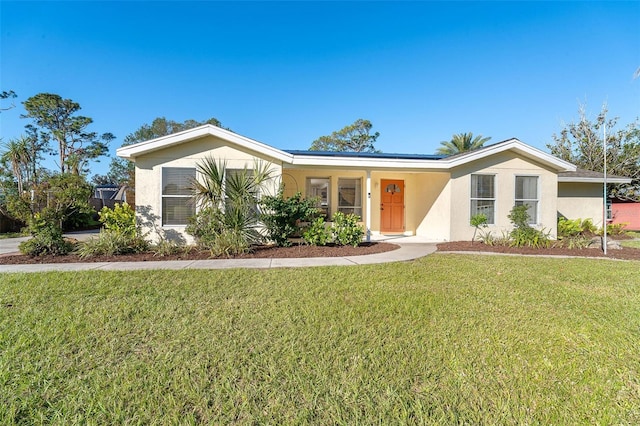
<point x="410" y="248"/>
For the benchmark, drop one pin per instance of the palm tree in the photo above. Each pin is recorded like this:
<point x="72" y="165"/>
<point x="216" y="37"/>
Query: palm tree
<point x="230" y="199"/>
<point x="16" y="153"/>
<point x="462" y="142"/>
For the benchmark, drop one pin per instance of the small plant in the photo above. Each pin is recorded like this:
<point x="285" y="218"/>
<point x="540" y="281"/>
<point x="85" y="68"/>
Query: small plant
<point x="576" y="241"/>
<point x="120" y="235"/>
<point x="111" y="243"/>
<point x="166" y="247"/>
<point x="478" y="221"/>
<point x="569" y="227"/>
<point x="222" y="233"/>
<point x="523" y="234"/>
<point x="120" y="219"/>
<point x="317" y="233"/>
<point x="615" y="228"/>
<point x="346" y="230"/>
<point x="282" y="216"/>
<point x="46" y="237"/>
<point x="229" y="242"/>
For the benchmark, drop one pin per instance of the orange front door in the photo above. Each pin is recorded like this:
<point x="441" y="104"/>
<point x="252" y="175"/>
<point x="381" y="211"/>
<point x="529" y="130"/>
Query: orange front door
<point x="391" y="206"/>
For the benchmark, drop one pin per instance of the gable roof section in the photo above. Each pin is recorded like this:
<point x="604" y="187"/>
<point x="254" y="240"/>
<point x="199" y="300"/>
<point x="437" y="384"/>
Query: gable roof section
<point x="512" y="144"/>
<point x="347" y="159"/>
<point x="143" y="148"/>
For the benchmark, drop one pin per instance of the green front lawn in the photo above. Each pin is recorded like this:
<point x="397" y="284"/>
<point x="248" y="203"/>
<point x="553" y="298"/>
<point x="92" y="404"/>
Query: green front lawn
<point x="447" y="339"/>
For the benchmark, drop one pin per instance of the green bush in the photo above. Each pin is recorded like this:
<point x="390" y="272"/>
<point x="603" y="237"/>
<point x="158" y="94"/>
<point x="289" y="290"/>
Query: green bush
<point x="282" y="216"/>
<point x="615" y="228"/>
<point x="346" y="230"/>
<point x="222" y="233"/>
<point x="317" y="233"/>
<point x="121" y="219"/>
<point x="166" y="247"/>
<point x="479" y="221"/>
<point x="229" y="242"/>
<point x="573" y="227"/>
<point x="46" y="237"/>
<point x="569" y="227"/>
<point x="112" y="243"/>
<point x="205" y="226"/>
<point x="523" y="234"/>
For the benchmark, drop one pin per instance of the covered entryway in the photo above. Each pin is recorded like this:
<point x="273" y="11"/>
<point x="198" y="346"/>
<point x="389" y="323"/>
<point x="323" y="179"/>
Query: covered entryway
<point x="392" y="206"/>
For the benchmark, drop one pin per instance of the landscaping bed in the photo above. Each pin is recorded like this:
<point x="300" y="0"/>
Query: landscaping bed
<point x="296" y="251"/>
<point x="626" y="253"/>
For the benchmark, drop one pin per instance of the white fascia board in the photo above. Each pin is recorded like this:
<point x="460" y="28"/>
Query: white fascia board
<point x="163" y="142"/>
<point x="367" y="163"/>
<point x="516" y="145"/>
<point x="593" y="180"/>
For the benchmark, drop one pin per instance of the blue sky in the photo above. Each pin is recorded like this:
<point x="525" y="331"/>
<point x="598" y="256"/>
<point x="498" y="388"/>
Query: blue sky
<point x="287" y="73"/>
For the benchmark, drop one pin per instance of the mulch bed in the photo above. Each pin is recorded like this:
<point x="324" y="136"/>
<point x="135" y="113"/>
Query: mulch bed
<point x="260" y="252"/>
<point x="624" y="253"/>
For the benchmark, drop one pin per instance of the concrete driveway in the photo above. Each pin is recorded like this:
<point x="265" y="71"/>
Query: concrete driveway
<point x="10" y="245"/>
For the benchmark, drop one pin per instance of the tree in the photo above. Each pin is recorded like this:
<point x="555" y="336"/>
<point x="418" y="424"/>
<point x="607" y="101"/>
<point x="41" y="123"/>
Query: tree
<point x="56" y="119"/>
<point x="581" y="143"/>
<point x="7" y="95"/>
<point x="122" y="171"/>
<point x="461" y="142"/>
<point x="355" y="137"/>
<point x="16" y="155"/>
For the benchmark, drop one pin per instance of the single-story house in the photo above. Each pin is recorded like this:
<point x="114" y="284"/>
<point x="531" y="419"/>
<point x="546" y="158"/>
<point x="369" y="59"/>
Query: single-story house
<point x="410" y="194"/>
<point x="625" y="212"/>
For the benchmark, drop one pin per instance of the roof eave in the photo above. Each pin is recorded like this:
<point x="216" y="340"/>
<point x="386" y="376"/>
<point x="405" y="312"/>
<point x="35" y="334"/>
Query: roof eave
<point x="143" y="148"/>
<point x="516" y="145"/>
<point x="593" y="180"/>
<point x="306" y="160"/>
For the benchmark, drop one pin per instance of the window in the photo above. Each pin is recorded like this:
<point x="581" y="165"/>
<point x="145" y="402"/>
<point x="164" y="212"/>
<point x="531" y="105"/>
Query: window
<point x="483" y="199"/>
<point x="319" y="188"/>
<point x="350" y="196"/>
<point x="527" y="194"/>
<point x="177" y="205"/>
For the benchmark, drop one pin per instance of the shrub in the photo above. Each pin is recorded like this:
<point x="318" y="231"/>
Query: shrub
<point x="523" y="234"/>
<point x="317" y="233"/>
<point x="615" y="228"/>
<point x="46" y="237"/>
<point x="569" y="227"/>
<point x="112" y="243"/>
<point x="205" y="226"/>
<point x="282" y="216"/>
<point x="346" y="230"/>
<point x="478" y="221"/>
<point x="121" y="219"/>
<point x="229" y="242"/>
<point x="166" y="247"/>
<point x="222" y="233"/>
<point x="119" y="236"/>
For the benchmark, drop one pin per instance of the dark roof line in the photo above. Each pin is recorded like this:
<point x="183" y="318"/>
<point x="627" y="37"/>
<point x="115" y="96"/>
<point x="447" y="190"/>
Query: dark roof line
<point x="381" y="155"/>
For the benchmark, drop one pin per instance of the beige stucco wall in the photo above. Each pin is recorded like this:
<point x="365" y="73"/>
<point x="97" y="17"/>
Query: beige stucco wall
<point x="580" y="200"/>
<point x="149" y="177"/>
<point x="505" y="166"/>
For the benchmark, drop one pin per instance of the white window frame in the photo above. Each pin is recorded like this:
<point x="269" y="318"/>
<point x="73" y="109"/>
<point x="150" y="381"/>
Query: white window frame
<point x="326" y="209"/>
<point x="533" y="219"/>
<point x="472" y="212"/>
<point x="356" y="208"/>
<point x="188" y="197"/>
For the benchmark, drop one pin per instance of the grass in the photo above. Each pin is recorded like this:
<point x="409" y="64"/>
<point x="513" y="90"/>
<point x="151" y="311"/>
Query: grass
<point x="446" y="339"/>
<point x="6" y="235"/>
